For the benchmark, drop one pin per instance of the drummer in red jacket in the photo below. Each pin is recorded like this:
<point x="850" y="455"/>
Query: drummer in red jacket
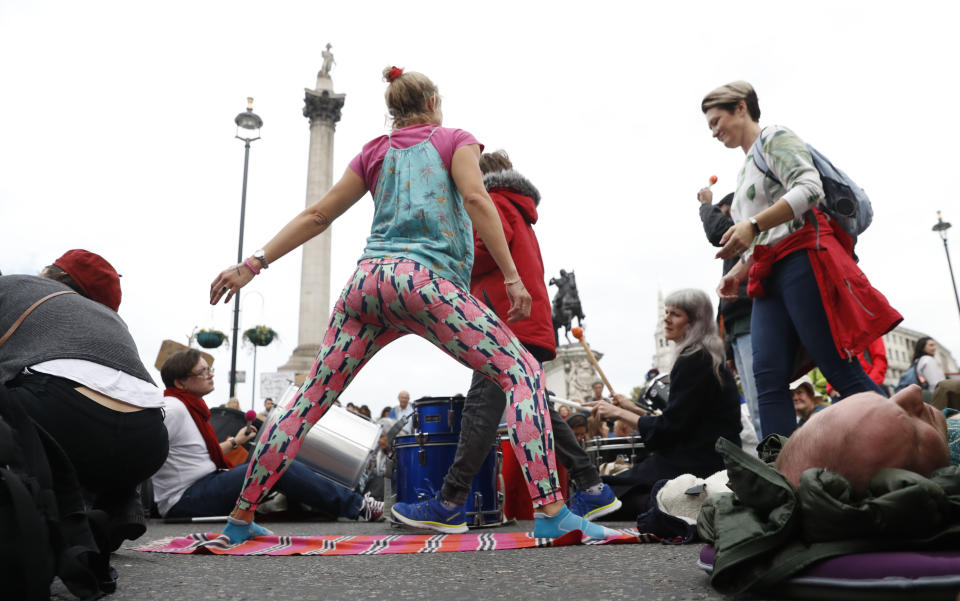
<point x="516" y="200"/>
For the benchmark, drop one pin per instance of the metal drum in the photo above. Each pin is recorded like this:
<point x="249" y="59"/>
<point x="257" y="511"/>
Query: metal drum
<point x="626" y="449"/>
<point x="438" y="414"/>
<point x="422" y="462"/>
<point x="339" y="446"/>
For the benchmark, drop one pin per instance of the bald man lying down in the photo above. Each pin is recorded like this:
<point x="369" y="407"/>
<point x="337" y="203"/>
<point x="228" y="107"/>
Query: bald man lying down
<point x="867" y="432"/>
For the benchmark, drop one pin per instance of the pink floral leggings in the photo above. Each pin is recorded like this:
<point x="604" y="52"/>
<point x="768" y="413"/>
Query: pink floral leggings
<point x="385" y="299"/>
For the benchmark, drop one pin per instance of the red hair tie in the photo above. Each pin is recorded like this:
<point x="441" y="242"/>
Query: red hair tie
<point x="395" y="72"/>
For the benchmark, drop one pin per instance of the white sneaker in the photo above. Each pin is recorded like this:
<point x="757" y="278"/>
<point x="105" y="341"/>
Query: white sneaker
<point x="371" y="510"/>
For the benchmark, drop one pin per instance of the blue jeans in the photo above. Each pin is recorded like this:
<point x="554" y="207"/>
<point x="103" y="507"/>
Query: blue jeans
<point x="791" y="315"/>
<point x="743" y="357"/>
<point x="216" y="493"/>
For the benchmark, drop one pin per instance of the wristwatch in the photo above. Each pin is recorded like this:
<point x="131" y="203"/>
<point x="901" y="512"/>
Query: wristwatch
<point x="752" y="220"/>
<point x="259" y="255"/>
<point x="233" y="442"/>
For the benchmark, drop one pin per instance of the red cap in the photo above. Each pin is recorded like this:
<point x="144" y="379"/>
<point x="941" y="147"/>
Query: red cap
<point x="97" y="278"/>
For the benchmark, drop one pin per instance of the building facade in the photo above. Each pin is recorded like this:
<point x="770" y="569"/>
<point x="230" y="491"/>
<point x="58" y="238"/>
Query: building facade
<point x="900" y="343"/>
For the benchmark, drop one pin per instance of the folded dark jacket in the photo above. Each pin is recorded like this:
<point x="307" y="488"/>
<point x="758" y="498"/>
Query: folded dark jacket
<point x="765" y="531"/>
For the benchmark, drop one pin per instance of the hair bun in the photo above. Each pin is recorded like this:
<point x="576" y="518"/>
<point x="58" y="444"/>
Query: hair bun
<point x="391" y="73"/>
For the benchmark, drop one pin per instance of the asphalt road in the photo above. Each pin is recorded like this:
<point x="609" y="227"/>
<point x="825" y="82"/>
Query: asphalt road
<point x="648" y="572"/>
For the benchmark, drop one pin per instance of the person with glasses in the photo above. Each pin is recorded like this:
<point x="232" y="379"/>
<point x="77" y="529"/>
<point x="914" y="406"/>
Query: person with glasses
<point x="198" y="480"/>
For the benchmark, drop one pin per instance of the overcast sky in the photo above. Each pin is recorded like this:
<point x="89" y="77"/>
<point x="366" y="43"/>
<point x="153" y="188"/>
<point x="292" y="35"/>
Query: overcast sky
<point x="118" y="138"/>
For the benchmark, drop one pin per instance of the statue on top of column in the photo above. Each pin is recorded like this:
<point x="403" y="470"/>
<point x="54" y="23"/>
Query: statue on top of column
<point x="328" y="61"/>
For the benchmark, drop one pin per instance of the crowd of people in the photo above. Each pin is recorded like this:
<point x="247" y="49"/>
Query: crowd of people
<point x="452" y="257"/>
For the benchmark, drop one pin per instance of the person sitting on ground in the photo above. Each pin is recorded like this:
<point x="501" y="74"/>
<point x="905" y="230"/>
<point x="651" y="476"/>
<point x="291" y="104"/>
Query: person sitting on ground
<point x="805" y="400"/>
<point x="377" y="468"/>
<point x="267" y="408"/>
<point x="197" y="480"/>
<point x="578" y="424"/>
<point x="929" y="371"/>
<point x="703" y="405"/>
<point x="866" y="433"/>
<point x="77" y="371"/>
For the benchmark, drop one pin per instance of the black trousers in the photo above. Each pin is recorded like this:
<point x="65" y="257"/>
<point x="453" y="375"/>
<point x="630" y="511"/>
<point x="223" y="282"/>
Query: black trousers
<point x="111" y="451"/>
<point x="482" y="411"/>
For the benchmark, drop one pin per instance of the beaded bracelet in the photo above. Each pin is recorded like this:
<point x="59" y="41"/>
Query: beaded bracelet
<point x="251" y="267"/>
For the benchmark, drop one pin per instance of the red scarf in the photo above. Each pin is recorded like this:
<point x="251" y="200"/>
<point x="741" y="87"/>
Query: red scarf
<point x="201" y="417"/>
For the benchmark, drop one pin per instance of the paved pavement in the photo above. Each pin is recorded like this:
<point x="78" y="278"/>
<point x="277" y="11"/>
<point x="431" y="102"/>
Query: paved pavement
<point x="648" y="572"/>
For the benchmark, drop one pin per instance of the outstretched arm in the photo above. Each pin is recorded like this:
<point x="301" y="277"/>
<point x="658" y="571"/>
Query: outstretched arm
<point x="311" y="222"/>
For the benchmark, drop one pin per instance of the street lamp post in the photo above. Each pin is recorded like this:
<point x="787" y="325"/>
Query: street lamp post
<point x="941" y="228"/>
<point x="248" y="130"/>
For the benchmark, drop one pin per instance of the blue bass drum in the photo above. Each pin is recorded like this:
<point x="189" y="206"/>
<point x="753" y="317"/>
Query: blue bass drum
<point x="422" y="462"/>
<point x="438" y="414"/>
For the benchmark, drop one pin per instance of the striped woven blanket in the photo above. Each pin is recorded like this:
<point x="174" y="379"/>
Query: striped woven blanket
<point x="216" y="544"/>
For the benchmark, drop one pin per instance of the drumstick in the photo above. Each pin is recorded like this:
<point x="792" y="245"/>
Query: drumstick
<point x="568" y="403"/>
<point x="713" y="180"/>
<point x="578" y="334"/>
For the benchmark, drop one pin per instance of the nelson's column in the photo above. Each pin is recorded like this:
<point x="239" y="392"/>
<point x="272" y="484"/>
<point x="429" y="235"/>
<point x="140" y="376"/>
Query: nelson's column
<point x="322" y="107"/>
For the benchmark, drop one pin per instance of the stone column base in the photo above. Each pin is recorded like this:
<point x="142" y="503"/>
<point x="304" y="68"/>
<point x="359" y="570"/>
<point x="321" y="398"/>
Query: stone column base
<point x="571" y="374"/>
<point x="301" y="361"/>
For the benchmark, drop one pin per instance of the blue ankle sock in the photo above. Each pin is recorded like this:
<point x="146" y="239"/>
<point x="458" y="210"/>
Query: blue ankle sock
<point x="239" y="531"/>
<point x="553" y="527"/>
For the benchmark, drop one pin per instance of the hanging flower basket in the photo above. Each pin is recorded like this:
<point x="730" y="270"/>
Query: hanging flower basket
<point x="260" y="335"/>
<point x="210" y="338"/>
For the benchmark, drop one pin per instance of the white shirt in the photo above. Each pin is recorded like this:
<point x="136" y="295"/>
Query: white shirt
<point x="187" y="461"/>
<point x="105" y="380"/>
<point x="397" y="413"/>
<point x="929" y="369"/>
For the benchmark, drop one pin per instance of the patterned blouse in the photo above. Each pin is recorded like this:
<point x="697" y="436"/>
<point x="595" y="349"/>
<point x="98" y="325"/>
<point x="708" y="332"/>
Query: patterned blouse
<point x="787" y="157"/>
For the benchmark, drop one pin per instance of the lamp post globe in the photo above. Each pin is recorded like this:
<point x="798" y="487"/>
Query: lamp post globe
<point x="248" y="130"/>
<point x="941" y="228"/>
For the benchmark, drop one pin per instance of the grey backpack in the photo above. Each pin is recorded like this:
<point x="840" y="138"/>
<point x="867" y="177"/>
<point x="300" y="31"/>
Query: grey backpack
<point x="844" y="201"/>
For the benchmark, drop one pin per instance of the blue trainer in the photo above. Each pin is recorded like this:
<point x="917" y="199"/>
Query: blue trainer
<point x="432" y="515"/>
<point x="239" y="531"/>
<point x="594" y="506"/>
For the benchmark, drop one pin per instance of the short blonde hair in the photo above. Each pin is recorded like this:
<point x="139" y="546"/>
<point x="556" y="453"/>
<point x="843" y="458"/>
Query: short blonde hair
<point x="408" y="96"/>
<point x="728" y="96"/>
<point x="491" y="162"/>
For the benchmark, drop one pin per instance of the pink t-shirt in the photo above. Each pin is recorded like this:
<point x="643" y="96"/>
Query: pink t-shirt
<point x="446" y="140"/>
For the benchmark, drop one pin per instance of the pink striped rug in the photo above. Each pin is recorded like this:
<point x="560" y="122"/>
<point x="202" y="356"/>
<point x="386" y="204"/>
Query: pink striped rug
<point x="216" y="544"/>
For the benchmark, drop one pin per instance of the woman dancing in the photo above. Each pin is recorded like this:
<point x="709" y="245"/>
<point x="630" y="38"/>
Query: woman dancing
<point x="412" y="277"/>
